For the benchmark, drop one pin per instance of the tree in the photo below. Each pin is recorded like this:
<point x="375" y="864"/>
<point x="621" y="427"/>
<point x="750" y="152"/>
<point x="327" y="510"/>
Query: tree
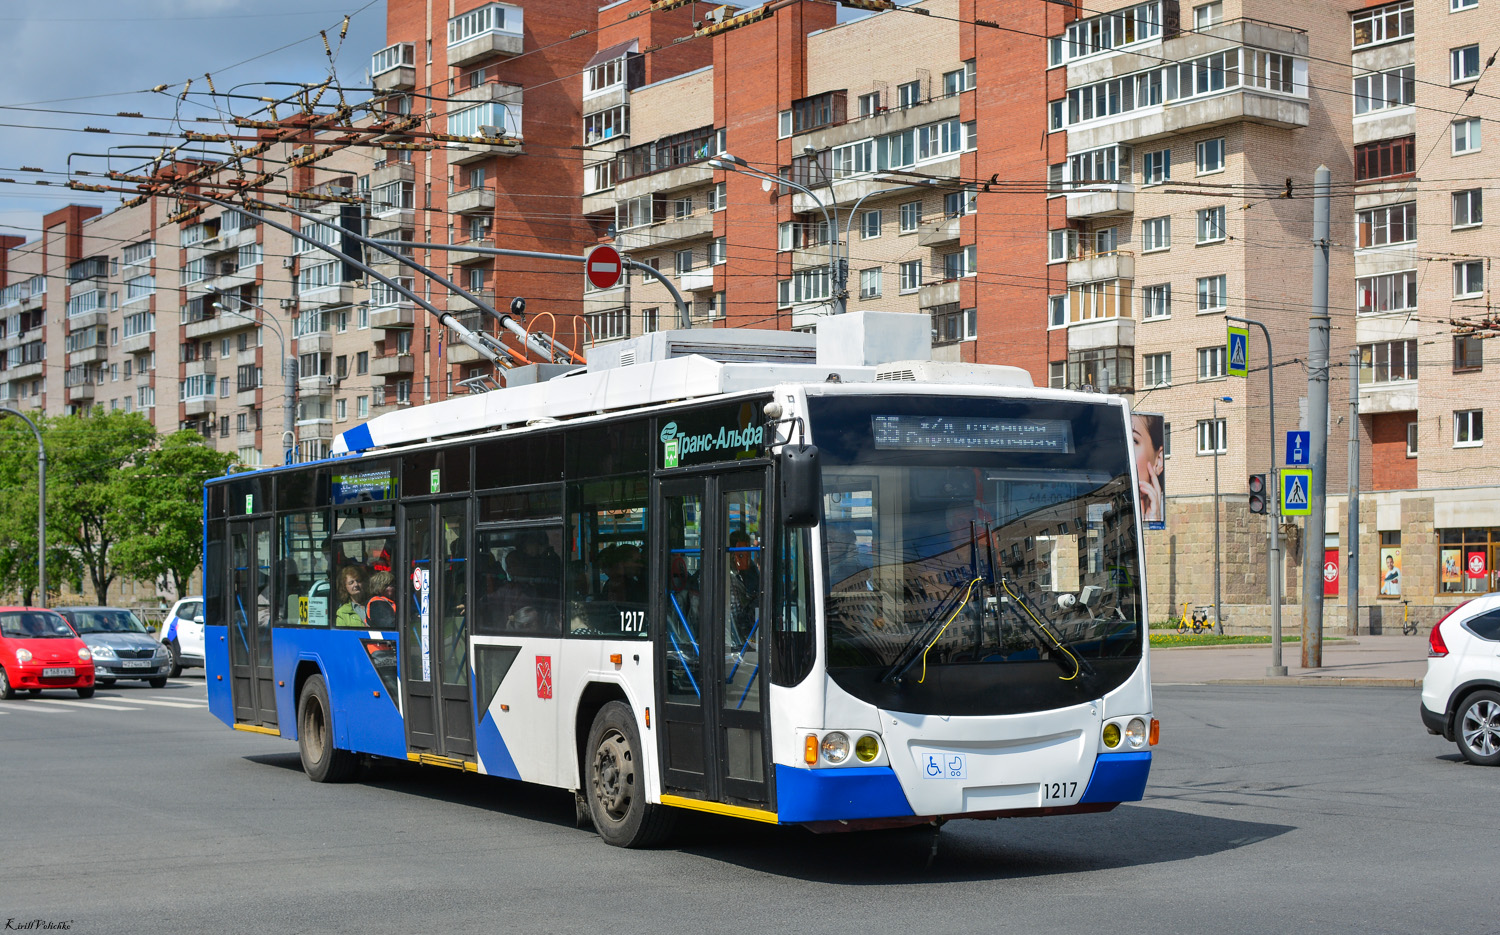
<point x="89" y="460"/>
<point x="18" y="552"/>
<point x="163" y="503"/>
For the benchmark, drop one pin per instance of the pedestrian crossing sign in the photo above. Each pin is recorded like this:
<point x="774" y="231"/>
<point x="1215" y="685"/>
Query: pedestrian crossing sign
<point x="1239" y="351"/>
<point x="1296" y="492"/>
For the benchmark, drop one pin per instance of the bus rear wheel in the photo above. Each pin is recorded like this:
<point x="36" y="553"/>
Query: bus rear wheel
<point x="320" y="759"/>
<point x="615" y="782"/>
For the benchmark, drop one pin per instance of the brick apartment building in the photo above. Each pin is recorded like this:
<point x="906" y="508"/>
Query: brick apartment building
<point x="1083" y="192"/>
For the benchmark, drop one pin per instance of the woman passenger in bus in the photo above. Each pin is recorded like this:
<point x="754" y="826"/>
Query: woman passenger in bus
<point x="380" y="612"/>
<point x="351" y="591"/>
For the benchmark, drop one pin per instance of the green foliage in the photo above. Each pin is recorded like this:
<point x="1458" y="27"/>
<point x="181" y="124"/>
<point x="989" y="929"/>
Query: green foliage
<point x="18" y="514"/>
<point x="162" y="499"/>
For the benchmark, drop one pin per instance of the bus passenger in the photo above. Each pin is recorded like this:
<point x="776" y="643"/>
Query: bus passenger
<point x="380" y="611"/>
<point x="351" y="591"/>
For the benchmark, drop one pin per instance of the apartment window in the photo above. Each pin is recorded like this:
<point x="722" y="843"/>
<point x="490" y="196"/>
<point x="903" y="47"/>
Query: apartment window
<point x="1057" y="374"/>
<point x="960" y="264"/>
<point x="869" y="104"/>
<point x="957" y="204"/>
<point x="1468" y="208"/>
<point x="1061" y="245"/>
<point x="1101" y="299"/>
<point x="606" y="124"/>
<point x="1463" y="63"/>
<point x="634" y="212"/>
<point x="1110" y="369"/>
<point x="911" y="276"/>
<point x="1211" y="294"/>
<point x="870" y="225"/>
<point x="1156" y="301"/>
<point x="1385" y="89"/>
<point x="1468" y="353"/>
<point x="909" y="94"/>
<point x="1389" y="292"/>
<point x="811" y="285"/>
<point x="1466" y="136"/>
<point x="1212" y="362"/>
<point x="1411" y="439"/>
<point x="911" y="216"/>
<point x="717" y="252"/>
<point x="783" y="293"/>
<point x="1057" y="311"/>
<point x="1108" y="31"/>
<point x="1156" y="234"/>
<point x="1388" y="224"/>
<point x="1385" y="158"/>
<point x="1383" y="24"/>
<point x="1468" y="428"/>
<point x="869" y="283"/>
<point x="684" y="261"/>
<point x="599" y="177"/>
<point x="1388" y="361"/>
<point x="784" y="124"/>
<point x="403" y="391"/>
<point x="604" y="76"/>
<point x="716" y="199"/>
<point x="956" y="82"/>
<point x="1211" y="225"/>
<point x="1106" y="240"/>
<point x="1210" y="156"/>
<point x="1208" y="14"/>
<point x="362" y="363"/>
<point x="951" y="324"/>
<point x="1468" y="279"/>
<point x="1156" y="167"/>
<point x="1158" y="369"/>
<point x="362" y="407"/>
<point x="1455" y="6"/>
<point x="1213" y="437"/>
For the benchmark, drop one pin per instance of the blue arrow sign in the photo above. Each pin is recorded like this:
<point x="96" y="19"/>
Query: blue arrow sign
<point x="1298" y="447"/>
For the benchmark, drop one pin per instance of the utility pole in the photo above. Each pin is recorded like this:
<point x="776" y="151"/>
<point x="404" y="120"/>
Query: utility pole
<point x="1218" y="596"/>
<point x="1351" y="571"/>
<point x="41" y="505"/>
<point x="1317" y="418"/>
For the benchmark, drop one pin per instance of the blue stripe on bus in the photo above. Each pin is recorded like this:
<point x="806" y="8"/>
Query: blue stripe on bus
<point x="216" y="672"/>
<point x="838" y="794"/>
<point x="493" y="752"/>
<point x="1118" y="777"/>
<point x="365" y="716"/>
<point x="358" y="438"/>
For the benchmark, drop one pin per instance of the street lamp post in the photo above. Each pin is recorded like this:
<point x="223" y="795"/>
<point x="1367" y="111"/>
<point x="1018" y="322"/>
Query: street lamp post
<point x="1218" y="616"/>
<point x="41" y="504"/>
<point x="288" y="373"/>
<point x="837" y="271"/>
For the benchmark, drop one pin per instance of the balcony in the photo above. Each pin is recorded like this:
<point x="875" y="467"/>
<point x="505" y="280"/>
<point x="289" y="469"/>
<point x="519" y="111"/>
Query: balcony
<point x="394" y="365"/>
<point x="219" y="324"/>
<point x="316" y="385"/>
<point x="23" y="371"/>
<point x="82" y="320"/>
<point x="461" y="154"/>
<point x="88" y="355"/>
<point x="460" y="257"/>
<point x="810" y="257"/>
<point x="940" y="231"/>
<point x="878" y="124"/>
<point x="245" y="399"/>
<point x="394" y="68"/>
<point x="1388" y="397"/>
<point x="696" y="280"/>
<point x="199" y="405"/>
<point x="144" y="377"/>
<point x="497" y="123"/>
<point x="393" y="317"/>
<point x="309" y="429"/>
<point x="1091" y="267"/>
<point x="392" y="171"/>
<point x="81" y="392"/>
<point x="847" y="191"/>
<point x="314" y="342"/>
<point x="493" y="29"/>
<point x="472" y="201"/>
<point x="502" y="92"/>
<point x="203" y="366"/>
<point x="34" y="301"/>
<point x="458" y="305"/>
<point x="665" y="232"/>
<point x="939" y="293"/>
<point x="1104" y="199"/>
<point x="136" y="343"/>
<point x="336" y="294"/>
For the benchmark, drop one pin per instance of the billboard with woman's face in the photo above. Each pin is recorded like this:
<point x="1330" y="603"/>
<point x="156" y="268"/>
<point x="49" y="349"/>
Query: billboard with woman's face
<point x="1148" y="436"/>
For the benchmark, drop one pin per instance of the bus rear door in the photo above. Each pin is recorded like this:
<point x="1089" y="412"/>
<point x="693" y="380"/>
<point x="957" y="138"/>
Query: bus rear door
<point x="252" y="677"/>
<point x="711" y="592"/>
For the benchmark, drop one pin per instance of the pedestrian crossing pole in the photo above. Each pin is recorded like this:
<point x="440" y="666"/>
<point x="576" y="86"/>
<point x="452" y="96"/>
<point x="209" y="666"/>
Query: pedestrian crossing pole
<point x="1317" y="419"/>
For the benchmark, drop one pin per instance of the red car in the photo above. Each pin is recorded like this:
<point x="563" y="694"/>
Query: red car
<point x="39" y="650"/>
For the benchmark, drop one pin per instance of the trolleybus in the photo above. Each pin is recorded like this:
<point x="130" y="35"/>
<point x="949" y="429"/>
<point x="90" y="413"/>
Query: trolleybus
<point x="756" y="583"/>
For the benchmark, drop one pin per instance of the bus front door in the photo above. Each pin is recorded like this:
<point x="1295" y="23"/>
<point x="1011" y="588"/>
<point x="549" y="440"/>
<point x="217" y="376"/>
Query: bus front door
<point x="434" y="588"/>
<point x="252" y="677"/>
<point x="711" y="588"/>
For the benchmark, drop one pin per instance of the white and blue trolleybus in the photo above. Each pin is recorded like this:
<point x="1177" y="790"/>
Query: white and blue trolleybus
<point x="791" y="578"/>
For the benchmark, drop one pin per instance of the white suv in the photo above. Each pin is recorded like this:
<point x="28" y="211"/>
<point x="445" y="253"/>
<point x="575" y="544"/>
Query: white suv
<point x="182" y="633"/>
<point x="1461" y="693"/>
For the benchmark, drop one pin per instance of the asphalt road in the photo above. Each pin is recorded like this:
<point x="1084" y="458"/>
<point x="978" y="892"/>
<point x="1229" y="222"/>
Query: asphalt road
<point x="1310" y="810"/>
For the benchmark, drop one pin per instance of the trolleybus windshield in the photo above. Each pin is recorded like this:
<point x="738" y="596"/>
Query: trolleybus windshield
<point x="981" y="554"/>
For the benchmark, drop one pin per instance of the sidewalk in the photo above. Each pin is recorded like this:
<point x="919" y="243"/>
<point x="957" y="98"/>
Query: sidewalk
<point x="1390" y="661"/>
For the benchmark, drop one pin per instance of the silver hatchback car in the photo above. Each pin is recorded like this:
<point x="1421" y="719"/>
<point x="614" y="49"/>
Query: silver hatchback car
<point x="121" y="646"/>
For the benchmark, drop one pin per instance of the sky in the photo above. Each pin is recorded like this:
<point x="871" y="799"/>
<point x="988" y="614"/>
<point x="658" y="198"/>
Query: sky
<point x="96" y="58"/>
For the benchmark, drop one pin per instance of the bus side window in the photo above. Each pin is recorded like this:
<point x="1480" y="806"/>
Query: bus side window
<point x="794" y="647"/>
<point x="518" y="580"/>
<point x="303" y="569"/>
<point x="607" y="583"/>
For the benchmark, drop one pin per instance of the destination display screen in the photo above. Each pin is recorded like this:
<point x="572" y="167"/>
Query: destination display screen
<point x="969" y="433"/>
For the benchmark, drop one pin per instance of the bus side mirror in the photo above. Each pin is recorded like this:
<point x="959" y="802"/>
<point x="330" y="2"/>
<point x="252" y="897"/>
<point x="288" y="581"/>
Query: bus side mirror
<point x="800" y="477"/>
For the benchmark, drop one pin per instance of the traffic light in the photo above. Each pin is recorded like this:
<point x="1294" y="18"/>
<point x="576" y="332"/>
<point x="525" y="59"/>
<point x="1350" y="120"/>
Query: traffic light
<point x="1257" y="493"/>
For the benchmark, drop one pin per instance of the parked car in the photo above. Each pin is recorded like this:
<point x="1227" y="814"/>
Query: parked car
<point x="1461" y="693"/>
<point x="121" y="646"/>
<point x="182" y="634"/>
<point x="38" y="650"/>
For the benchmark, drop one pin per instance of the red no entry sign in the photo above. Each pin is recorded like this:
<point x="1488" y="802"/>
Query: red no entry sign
<point x="602" y="265"/>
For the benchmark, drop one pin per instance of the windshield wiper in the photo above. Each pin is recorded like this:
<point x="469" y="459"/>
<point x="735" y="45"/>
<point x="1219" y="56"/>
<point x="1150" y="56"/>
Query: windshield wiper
<point x="952" y="601"/>
<point x="1033" y="621"/>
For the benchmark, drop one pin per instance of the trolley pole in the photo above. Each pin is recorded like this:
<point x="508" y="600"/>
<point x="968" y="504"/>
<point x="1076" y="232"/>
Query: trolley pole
<point x="1351" y="571"/>
<point x="41" y="505"/>
<point x="1317" y="419"/>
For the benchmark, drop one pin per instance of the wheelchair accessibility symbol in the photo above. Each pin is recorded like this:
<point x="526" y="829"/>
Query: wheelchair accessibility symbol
<point x="945" y="766"/>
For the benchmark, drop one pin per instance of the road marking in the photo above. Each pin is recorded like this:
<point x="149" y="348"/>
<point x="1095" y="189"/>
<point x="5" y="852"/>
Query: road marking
<point x="83" y="704"/>
<point x="40" y="710"/>
<point x="166" y="704"/>
<point x="179" y="700"/>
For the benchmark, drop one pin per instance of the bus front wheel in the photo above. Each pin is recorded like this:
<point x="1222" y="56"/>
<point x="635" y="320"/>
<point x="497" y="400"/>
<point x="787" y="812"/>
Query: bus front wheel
<point x="615" y="782"/>
<point x="320" y="759"/>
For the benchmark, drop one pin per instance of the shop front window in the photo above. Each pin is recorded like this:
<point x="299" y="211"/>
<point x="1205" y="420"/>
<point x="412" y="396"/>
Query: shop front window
<point x="1466" y="561"/>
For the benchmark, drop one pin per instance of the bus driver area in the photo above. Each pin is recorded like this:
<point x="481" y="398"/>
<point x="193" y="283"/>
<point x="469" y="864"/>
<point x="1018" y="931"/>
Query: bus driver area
<point x="794" y="578"/>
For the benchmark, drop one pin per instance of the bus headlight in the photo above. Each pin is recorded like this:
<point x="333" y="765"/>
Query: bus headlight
<point x="867" y="748"/>
<point x="1135" y="733"/>
<point x="835" y="746"/>
<point x="1111" y="735"/>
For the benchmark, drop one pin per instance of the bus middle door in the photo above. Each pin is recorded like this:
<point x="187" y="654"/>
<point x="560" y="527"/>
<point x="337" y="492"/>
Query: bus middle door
<point x="434" y="618"/>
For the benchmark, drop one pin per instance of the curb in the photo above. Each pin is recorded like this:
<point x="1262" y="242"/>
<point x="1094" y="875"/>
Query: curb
<point x="1322" y="681"/>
